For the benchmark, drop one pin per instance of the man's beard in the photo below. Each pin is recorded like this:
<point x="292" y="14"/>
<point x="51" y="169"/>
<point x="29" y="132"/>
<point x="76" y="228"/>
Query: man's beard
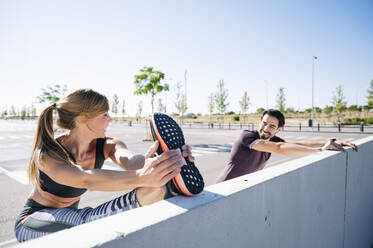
<point x="264" y="137"/>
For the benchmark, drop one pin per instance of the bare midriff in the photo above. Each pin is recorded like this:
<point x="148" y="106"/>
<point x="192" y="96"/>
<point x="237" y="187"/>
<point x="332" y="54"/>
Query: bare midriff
<point x="49" y="200"/>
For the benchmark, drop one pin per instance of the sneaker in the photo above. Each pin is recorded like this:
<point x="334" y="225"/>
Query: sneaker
<point x="170" y="136"/>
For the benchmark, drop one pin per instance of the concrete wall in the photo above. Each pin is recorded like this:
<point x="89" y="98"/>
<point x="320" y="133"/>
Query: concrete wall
<point x="323" y="200"/>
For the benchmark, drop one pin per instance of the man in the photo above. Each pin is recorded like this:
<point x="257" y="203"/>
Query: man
<point x="252" y="149"/>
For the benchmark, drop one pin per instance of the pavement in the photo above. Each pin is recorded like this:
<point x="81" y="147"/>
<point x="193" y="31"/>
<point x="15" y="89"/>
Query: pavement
<point x="211" y="147"/>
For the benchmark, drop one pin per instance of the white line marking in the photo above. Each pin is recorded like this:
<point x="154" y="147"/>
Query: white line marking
<point x="288" y="137"/>
<point x="20" y="176"/>
<point x="209" y="151"/>
<point x="316" y="138"/>
<point x="8" y="242"/>
<point x="300" y="138"/>
<point x="13" y="137"/>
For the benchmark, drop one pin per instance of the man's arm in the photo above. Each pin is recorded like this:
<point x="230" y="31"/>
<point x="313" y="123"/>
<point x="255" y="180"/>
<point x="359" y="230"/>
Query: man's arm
<point x="284" y="148"/>
<point x="338" y="143"/>
<point x="296" y="149"/>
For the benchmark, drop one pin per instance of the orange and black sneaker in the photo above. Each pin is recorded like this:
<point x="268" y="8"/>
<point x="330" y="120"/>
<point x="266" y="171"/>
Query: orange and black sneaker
<point x="170" y="136"/>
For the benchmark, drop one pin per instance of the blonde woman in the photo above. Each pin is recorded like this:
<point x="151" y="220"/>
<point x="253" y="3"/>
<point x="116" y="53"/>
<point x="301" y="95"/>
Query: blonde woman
<point x="64" y="168"/>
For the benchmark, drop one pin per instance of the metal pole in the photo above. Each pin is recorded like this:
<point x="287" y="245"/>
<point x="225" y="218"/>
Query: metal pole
<point x="313" y="69"/>
<point x="266" y="93"/>
<point x="185" y="93"/>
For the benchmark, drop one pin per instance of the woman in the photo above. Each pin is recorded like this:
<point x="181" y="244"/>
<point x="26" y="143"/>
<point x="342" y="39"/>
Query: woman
<point x="63" y="168"/>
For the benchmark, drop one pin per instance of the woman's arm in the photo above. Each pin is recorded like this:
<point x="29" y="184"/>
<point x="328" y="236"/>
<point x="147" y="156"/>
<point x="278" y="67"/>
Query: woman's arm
<point x="155" y="173"/>
<point x="120" y="155"/>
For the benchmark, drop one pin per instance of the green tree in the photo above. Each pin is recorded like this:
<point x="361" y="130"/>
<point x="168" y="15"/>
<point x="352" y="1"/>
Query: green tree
<point x="23" y="112"/>
<point x="149" y="82"/>
<point x="52" y="94"/>
<point x="318" y="110"/>
<point x="180" y="103"/>
<point x="339" y="102"/>
<point x="370" y="94"/>
<point x="33" y="110"/>
<point x="4" y="113"/>
<point x="328" y="109"/>
<point x="123" y="107"/>
<point x="13" y="110"/>
<point x="221" y="98"/>
<point x="280" y="99"/>
<point x="160" y="105"/>
<point x="115" y="104"/>
<point x="139" y="108"/>
<point x="244" y="104"/>
<point x="211" y="105"/>
<point x="290" y="110"/>
<point x="260" y="110"/>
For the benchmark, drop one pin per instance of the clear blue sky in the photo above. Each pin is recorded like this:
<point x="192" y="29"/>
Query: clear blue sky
<point x="102" y="44"/>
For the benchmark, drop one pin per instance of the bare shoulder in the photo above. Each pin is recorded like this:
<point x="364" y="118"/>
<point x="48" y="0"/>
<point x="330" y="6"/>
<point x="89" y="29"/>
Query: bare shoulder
<point x="46" y="162"/>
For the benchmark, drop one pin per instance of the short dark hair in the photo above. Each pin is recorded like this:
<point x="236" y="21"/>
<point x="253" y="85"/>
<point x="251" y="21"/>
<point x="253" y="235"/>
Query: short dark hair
<point x="277" y="114"/>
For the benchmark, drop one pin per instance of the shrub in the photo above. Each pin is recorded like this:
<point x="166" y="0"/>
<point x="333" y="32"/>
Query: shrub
<point x="236" y="118"/>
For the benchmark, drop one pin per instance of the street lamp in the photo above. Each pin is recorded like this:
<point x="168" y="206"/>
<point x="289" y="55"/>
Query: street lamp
<point x="313" y="69"/>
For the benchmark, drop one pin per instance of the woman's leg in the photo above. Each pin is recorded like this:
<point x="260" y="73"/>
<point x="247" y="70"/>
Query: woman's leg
<point x="147" y="196"/>
<point x="51" y="220"/>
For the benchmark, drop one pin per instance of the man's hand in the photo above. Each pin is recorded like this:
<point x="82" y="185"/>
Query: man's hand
<point x="346" y="143"/>
<point x="334" y="144"/>
<point x="187" y="152"/>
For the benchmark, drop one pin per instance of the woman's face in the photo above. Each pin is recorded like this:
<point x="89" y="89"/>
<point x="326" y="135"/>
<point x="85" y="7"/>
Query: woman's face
<point x="99" y="124"/>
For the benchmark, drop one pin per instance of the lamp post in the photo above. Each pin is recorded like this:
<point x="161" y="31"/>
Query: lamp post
<point x="313" y="69"/>
<point x="266" y="93"/>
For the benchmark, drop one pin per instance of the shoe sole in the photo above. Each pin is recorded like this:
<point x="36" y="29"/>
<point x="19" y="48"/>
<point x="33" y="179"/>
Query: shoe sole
<point x="170" y="136"/>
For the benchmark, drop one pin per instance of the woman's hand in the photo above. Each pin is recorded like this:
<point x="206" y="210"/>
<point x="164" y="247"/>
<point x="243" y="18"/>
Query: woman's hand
<point x="159" y="170"/>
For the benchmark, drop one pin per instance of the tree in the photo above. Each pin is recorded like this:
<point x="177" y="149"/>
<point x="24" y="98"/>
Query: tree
<point x="160" y="105"/>
<point x="52" y="94"/>
<point x="149" y="82"/>
<point x="221" y="97"/>
<point x="290" y="110"/>
<point x="180" y="103"/>
<point x="13" y="110"/>
<point x="339" y="102"/>
<point x="260" y="110"/>
<point x="370" y="95"/>
<point x="139" y="108"/>
<point x="328" y="109"/>
<point x="123" y="107"/>
<point x="115" y="104"/>
<point x="211" y="105"/>
<point x="33" y="110"/>
<point x="244" y="104"/>
<point x="280" y="100"/>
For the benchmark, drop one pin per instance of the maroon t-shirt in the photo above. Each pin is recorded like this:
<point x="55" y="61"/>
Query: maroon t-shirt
<point x="244" y="160"/>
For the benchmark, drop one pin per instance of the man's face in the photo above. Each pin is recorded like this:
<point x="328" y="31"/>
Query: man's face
<point x="268" y="127"/>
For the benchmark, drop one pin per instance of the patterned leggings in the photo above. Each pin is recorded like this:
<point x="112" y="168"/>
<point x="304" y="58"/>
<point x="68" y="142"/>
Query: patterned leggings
<point x="36" y="220"/>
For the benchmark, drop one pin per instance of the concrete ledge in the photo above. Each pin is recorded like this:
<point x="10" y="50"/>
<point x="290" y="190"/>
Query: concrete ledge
<point x="323" y="200"/>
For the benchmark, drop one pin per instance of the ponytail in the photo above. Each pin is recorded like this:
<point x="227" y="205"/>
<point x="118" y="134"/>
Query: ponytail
<point x="45" y="143"/>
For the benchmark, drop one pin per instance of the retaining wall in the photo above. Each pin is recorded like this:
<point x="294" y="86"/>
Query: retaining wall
<point x="323" y="200"/>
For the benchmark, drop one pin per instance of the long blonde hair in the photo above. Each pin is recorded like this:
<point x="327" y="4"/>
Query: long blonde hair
<point x="82" y="102"/>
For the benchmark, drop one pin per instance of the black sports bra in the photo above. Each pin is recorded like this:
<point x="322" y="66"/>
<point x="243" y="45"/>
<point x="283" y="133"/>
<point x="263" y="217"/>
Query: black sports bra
<point x="48" y="185"/>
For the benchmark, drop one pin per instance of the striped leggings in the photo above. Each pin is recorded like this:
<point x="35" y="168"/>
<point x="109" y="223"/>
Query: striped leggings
<point x="36" y="220"/>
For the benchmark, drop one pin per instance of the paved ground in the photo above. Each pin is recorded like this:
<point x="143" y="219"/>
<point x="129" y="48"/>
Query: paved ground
<point x="211" y="148"/>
